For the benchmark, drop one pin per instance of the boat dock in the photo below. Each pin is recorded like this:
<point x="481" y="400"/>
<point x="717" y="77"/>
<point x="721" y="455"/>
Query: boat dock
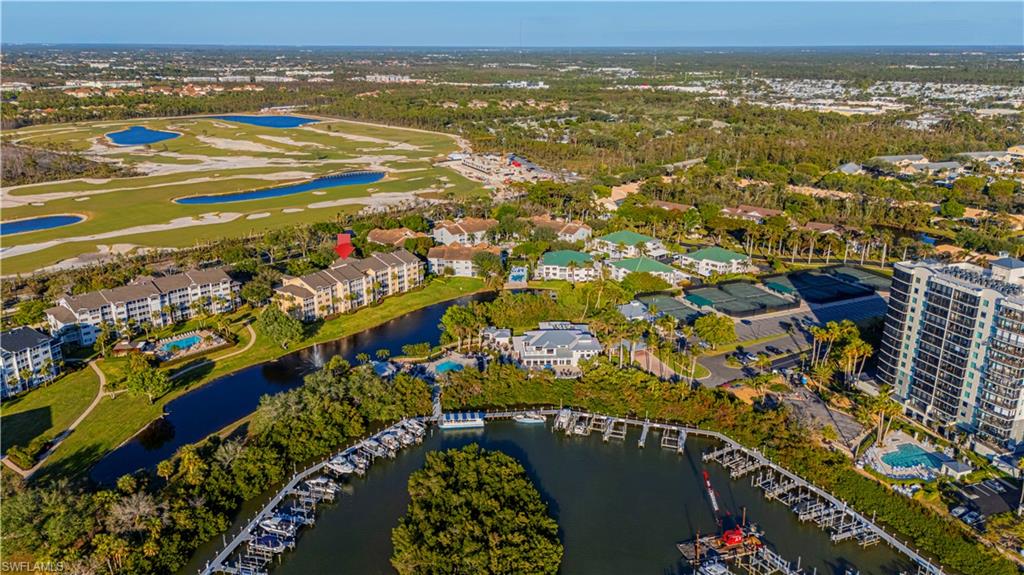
<point x="275" y="527"/>
<point x="807" y="501"/>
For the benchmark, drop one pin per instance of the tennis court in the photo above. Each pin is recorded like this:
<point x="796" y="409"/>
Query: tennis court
<point x="671" y="306"/>
<point x="859" y="275"/>
<point x="817" y="287"/>
<point x="738" y="299"/>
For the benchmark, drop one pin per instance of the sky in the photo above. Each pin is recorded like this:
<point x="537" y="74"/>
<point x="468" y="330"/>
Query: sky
<point x="518" y="24"/>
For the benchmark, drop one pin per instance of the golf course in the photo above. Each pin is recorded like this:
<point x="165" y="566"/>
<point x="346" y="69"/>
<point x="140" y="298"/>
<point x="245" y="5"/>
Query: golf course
<point x="204" y="158"/>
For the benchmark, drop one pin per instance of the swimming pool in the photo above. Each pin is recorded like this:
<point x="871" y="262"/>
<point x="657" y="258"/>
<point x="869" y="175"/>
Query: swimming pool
<point x="180" y="344"/>
<point x="347" y="179"/>
<point x="36" y="224"/>
<point x="909" y="455"/>
<point x="268" y="121"/>
<point x="448" y="365"/>
<point x="140" y="135"/>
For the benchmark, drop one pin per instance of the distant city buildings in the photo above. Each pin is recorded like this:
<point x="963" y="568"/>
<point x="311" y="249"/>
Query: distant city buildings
<point x="349" y="284"/>
<point x="157" y="301"/>
<point x="29" y="358"/>
<point x="953" y="346"/>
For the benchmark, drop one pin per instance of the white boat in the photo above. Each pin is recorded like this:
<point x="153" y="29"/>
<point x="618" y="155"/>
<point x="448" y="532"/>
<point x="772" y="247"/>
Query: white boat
<point x="580" y="429"/>
<point x="271" y="543"/>
<point x="531" y="417"/>
<point x="278" y="525"/>
<point x="462" y="420"/>
<point x="713" y="568"/>
<point x="341" y="465"/>
<point x="389" y="440"/>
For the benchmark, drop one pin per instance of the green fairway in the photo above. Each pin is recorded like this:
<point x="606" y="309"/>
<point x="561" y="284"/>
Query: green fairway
<point x="114" y="421"/>
<point x="213" y="157"/>
<point x="48" y="410"/>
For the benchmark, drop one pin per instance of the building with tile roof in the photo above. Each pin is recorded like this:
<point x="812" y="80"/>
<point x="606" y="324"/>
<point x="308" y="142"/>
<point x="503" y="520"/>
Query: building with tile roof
<point x="349" y="284"/>
<point x="714" y="259"/>
<point x="567" y="265"/>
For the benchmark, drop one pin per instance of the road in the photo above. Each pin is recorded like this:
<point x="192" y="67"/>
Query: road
<point x="792" y="344"/>
<point x="856" y="310"/>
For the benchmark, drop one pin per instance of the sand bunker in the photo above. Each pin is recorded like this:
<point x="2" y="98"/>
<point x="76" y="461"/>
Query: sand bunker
<point x="238" y="145"/>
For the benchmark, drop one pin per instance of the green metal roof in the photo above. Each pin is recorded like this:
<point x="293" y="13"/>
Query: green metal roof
<point x="715" y="254"/>
<point x="643" y="265"/>
<point x="564" y="257"/>
<point x="626" y="237"/>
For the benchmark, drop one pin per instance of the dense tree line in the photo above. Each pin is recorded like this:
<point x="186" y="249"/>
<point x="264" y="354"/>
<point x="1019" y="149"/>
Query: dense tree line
<point x="607" y="388"/>
<point x="474" y="511"/>
<point x="152" y="524"/>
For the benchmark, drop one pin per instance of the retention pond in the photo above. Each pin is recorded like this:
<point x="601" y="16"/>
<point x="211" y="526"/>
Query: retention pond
<point x="346" y="179"/>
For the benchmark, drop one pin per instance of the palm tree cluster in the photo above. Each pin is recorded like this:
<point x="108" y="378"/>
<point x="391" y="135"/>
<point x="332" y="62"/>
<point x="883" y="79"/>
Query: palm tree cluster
<point x="838" y="345"/>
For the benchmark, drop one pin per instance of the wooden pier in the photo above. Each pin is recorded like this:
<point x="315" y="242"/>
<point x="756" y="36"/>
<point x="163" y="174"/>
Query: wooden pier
<point x="808" y="502"/>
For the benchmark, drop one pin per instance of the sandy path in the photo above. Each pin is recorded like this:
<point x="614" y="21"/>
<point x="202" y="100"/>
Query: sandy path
<point x="238" y="145"/>
<point x="370" y="139"/>
<point x="290" y="142"/>
<point x="177" y="223"/>
<point x="11" y="201"/>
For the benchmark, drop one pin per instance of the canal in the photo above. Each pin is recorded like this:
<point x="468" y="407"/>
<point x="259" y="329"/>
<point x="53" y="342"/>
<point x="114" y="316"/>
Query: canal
<point x="212" y="407"/>
<point x="620" y="509"/>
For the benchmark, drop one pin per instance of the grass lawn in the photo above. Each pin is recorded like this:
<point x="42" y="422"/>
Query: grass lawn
<point x="218" y="157"/>
<point x="48" y="410"/>
<point x="114" y="421"/>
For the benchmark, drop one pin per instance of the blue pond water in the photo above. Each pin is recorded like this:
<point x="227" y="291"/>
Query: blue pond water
<point x="140" y="135"/>
<point x="183" y="343"/>
<point x="36" y="224"/>
<point x="269" y="121"/>
<point x="348" y="179"/>
<point x="909" y="455"/>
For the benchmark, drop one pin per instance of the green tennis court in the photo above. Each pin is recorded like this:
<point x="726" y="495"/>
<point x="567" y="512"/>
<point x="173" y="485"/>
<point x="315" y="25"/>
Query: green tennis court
<point x="738" y="299"/>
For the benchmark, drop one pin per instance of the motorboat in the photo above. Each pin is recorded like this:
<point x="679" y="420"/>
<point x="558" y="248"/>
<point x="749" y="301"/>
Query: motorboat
<point x="341" y="465"/>
<point x="280" y="525"/>
<point x="530" y="417"/>
<point x="271" y="543"/>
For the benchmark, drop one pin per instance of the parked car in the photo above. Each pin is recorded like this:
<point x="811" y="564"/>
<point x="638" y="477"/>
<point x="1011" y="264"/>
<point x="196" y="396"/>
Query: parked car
<point x="958" y="511"/>
<point x="971" y="518"/>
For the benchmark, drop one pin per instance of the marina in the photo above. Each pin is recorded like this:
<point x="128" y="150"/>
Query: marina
<point x="737" y="549"/>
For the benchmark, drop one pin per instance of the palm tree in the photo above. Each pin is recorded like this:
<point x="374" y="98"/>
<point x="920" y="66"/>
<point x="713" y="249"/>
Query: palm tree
<point x="763" y="363"/>
<point x="363" y="357"/>
<point x="383" y="354"/>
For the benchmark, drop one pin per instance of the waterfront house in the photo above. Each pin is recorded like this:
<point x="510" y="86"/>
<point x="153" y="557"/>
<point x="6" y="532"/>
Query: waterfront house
<point x="158" y="301"/>
<point x="29" y="358"/>
<point x="349" y="284"/>
<point x="714" y="259"/>
<point x="394" y="237"/>
<point x="467" y="231"/>
<point x="457" y="259"/>
<point x="627" y="244"/>
<point x="618" y="270"/>
<point x="567" y="265"/>
<point x="555" y="345"/>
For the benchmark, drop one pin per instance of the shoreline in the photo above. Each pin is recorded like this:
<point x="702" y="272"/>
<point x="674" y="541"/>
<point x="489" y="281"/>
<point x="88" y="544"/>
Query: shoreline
<point x="209" y="380"/>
